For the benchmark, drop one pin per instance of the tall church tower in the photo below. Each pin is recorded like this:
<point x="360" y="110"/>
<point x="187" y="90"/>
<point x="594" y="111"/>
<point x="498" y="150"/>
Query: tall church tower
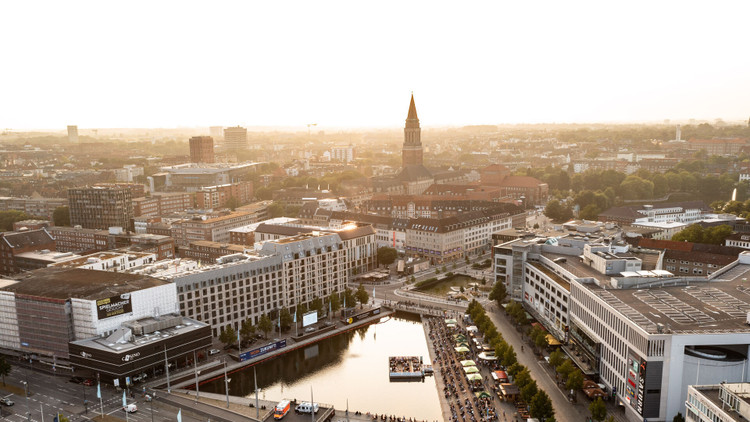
<point x="411" y="154"/>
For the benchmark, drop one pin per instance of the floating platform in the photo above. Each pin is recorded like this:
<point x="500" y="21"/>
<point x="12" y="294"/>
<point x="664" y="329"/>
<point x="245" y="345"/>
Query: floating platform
<point x="405" y="368"/>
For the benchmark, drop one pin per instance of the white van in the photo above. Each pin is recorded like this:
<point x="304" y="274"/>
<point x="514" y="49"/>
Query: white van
<point x="131" y="408"/>
<point x="307" y="407"/>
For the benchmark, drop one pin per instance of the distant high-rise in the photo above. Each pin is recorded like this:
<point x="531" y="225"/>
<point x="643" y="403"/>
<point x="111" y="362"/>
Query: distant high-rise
<point x="411" y="154"/>
<point x="216" y="132"/>
<point x="101" y="207"/>
<point x="73" y="134"/>
<point x="235" y="138"/>
<point x="201" y="149"/>
<point x="678" y="133"/>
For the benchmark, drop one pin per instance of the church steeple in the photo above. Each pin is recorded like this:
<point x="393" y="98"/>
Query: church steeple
<point x="411" y="153"/>
<point x="412" y="110"/>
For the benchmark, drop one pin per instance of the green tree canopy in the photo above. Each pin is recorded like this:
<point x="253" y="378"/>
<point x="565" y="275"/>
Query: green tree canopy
<point x="498" y="293"/>
<point x="575" y="380"/>
<point x="556" y="358"/>
<point x="286" y="318"/>
<point x="228" y="336"/>
<point x="386" y="255"/>
<point x="598" y="409"/>
<point x="558" y="212"/>
<point x="334" y="301"/>
<point x="247" y="329"/>
<point x="541" y="406"/>
<point x="361" y="295"/>
<point x="565" y="369"/>
<point x="7" y="218"/>
<point x="349" y="299"/>
<point x="265" y="325"/>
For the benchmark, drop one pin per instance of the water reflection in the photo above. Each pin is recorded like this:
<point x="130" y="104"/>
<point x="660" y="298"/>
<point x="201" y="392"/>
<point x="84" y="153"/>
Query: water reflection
<point x="353" y="366"/>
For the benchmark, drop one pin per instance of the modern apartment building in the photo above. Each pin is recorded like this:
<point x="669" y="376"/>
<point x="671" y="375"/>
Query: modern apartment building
<point x="163" y="203"/>
<point x="235" y="138"/>
<point x="202" y="149"/>
<point x="214" y="197"/>
<point x="100" y="207"/>
<point x="282" y="274"/>
<point x="215" y="229"/>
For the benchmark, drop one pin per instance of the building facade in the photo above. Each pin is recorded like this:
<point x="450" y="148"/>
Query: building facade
<point x="235" y="138"/>
<point x="202" y="149"/>
<point x="100" y="207"/>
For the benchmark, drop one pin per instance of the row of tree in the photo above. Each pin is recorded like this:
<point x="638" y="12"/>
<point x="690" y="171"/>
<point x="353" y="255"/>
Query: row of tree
<point x="540" y="404"/>
<point x="283" y="319"/>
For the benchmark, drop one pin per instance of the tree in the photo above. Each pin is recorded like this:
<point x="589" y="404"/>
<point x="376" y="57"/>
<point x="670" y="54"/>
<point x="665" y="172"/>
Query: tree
<point x="498" y="293"/>
<point x="565" y="369"/>
<point x="232" y="203"/>
<point x="386" y="255"/>
<point x="247" y="329"/>
<point x="7" y="218"/>
<point x="598" y="409"/>
<point x="265" y="325"/>
<point x="590" y="212"/>
<point x="301" y="310"/>
<point x="361" y="295"/>
<point x="678" y="418"/>
<point x="334" y="302"/>
<point x="575" y="380"/>
<point x="509" y="358"/>
<point x="317" y="305"/>
<point x="349" y="299"/>
<point x="556" y="358"/>
<point x="228" y="336"/>
<point x="634" y="187"/>
<point x="5" y="368"/>
<point x="264" y="194"/>
<point x="275" y="210"/>
<point x="286" y="318"/>
<point x="529" y="391"/>
<point x="557" y="212"/>
<point x="541" y="341"/>
<point x="61" y="216"/>
<point x="541" y="406"/>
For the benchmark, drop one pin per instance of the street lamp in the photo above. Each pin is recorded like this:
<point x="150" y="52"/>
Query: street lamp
<point x="226" y="382"/>
<point x="26" y="393"/>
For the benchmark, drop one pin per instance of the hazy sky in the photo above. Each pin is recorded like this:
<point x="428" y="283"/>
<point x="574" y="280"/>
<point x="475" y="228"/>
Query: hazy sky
<point x="354" y="63"/>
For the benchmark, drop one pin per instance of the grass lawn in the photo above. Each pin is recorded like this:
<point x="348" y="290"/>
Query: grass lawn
<point x="458" y="280"/>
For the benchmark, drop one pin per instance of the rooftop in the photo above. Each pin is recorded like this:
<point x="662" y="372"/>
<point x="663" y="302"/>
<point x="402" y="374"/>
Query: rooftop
<point x="716" y="306"/>
<point x="103" y="343"/>
<point x="65" y="283"/>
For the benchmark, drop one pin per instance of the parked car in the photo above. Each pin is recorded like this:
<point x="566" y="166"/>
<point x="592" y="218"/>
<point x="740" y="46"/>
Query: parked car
<point x="89" y="382"/>
<point x="76" y="380"/>
<point x="6" y="401"/>
<point x="214" y="352"/>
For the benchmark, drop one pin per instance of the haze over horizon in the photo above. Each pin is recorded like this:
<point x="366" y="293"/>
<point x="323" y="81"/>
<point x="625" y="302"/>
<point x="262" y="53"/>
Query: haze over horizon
<point x="346" y="65"/>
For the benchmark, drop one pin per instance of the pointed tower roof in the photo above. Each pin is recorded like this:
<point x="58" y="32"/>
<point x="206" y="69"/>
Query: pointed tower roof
<point x="412" y="110"/>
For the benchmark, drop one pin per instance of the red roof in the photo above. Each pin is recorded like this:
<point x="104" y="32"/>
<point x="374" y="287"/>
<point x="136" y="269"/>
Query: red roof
<point x="521" y="181"/>
<point x="665" y="244"/>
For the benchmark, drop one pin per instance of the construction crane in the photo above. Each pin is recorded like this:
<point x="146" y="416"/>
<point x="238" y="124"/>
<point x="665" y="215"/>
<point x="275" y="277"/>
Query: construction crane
<point x="309" y="125"/>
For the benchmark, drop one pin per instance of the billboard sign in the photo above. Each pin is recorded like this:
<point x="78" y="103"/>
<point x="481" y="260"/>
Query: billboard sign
<point x="114" y="306"/>
<point x="309" y="318"/>
<point x="263" y="350"/>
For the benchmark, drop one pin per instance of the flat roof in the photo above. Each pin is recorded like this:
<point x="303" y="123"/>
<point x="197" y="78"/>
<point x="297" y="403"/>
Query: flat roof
<point x="102" y="343"/>
<point x="551" y="274"/>
<point x="64" y="283"/>
<point x="716" y="306"/>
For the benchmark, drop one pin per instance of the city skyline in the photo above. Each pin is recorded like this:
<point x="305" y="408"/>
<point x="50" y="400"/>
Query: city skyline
<point x="343" y="65"/>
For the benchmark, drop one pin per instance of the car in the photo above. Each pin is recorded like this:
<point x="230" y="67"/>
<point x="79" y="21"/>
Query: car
<point x="89" y="382"/>
<point x="6" y="401"/>
<point x="76" y="380"/>
<point x="309" y="329"/>
<point x="214" y="352"/>
<point x="131" y="408"/>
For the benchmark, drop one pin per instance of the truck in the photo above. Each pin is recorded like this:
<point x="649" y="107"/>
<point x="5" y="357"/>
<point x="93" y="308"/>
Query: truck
<point x="281" y="409"/>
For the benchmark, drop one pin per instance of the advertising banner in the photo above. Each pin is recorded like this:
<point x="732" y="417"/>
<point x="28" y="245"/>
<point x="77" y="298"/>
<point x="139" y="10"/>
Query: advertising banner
<point x="309" y="318"/>
<point x="263" y="350"/>
<point x="113" y="306"/>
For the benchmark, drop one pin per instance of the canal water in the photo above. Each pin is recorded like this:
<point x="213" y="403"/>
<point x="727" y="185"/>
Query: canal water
<point x="351" y="366"/>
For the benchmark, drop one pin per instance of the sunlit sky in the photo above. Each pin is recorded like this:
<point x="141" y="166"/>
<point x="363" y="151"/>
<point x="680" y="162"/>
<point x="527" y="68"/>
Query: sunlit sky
<point x="354" y="64"/>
